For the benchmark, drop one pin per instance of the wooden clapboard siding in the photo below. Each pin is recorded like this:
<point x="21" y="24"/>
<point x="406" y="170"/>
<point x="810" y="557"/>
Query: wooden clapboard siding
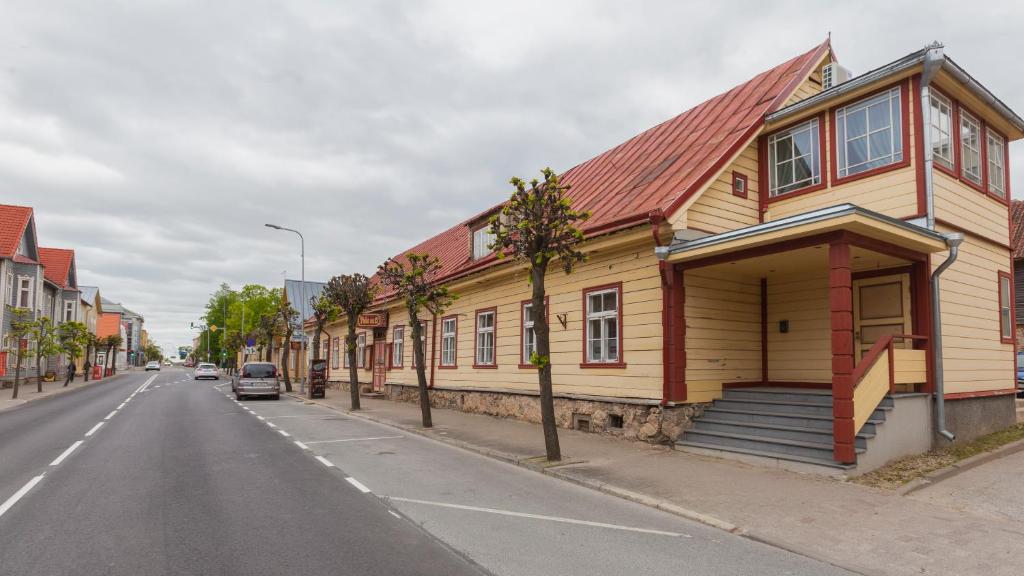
<point x="723" y="332"/>
<point x="804" y="353"/>
<point x="810" y="86"/>
<point x="974" y="358"/>
<point x="969" y="209"/>
<point x="909" y="366"/>
<point x="892" y="193"/>
<point x="718" y="209"/>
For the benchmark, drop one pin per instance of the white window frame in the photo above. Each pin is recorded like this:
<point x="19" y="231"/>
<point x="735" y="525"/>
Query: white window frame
<point x="10" y="294"/>
<point x="69" y="310"/>
<point x="894" y="98"/>
<point x="485" y="338"/>
<point x="529" y="343"/>
<point x="813" y="156"/>
<point x="449" y="344"/>
<point x="25" y="293"/>
<point x="1006" y="320"/>
<point x="996" y="158"/>
<point x="335" y="352"/>
<point x="398" y="347"/>
<point x="941" y="120"/>
<point x="482" y="239"/>
<point x="972" y="126"/>
<point x="604" y="319"/>
<point x="361" y="350"/>
<point x="344" y="357"/>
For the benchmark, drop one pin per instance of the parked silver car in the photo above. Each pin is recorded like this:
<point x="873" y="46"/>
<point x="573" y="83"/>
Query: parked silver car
<point x="257" y="379"/>
<point x="206" y="370"/>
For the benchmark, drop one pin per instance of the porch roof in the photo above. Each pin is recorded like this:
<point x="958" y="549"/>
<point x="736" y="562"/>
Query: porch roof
<point x="840" y="218"/>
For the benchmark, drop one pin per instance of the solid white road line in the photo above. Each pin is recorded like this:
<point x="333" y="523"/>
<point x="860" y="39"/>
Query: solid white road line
<point x="542" y="517"/>
<point x="111" y="415"/>
<point x="301" y="445"/>
<point x="66" y="453"/>
<point x="393" y="514"/>
<point x="148" y="382"/>
<point x="325" y="461"/>
<point x="18" y="495"/>
<point x="283" y="433"/>
<point x="94" y="429"/>
<point x="354" y="439"/>
<point x="357" y="484"/>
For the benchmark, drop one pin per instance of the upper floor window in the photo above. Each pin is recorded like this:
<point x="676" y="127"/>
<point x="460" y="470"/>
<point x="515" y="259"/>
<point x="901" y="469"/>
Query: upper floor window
<point x="9" y="290"/>
<point x="482" y="241"/>
<point x="794" y="158"/>
<point x="942" y="130"/>
<point x="869" y="134"/>
<point x="485" y="338"/>
<point x="24" y="295"/>
<point x="996" y="155"/>
<point x="602" y="327"/>
<point x="449" y="328"/>
<point x="970" y="147"/>
<point x="397" y="346"/>
<point x="69" y="310"/>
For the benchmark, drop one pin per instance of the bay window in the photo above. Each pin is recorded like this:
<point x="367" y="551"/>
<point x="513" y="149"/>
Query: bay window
<point x="449" y="331"/>
<point x="794" y="158"/>
<point x="942" y="130"/>
<point x="970" y="147"/>
<point x="996" y="154"/>
<point x="485" y="321"/>
<point x="602" y="328"/>
<point x="869" y="134"/>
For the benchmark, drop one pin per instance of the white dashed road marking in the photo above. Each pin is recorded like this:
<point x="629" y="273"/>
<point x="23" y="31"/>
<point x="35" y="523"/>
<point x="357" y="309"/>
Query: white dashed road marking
<point x="301" y="445"/>
<point x="325" y="461"/>
<point x="66" y="453"/>
<point x="94" y="429"/>
<point x="18" y="495"/>
<point x="111" y="415"/>
<point x="283" y="433"/>
<point x="357" y="484"/>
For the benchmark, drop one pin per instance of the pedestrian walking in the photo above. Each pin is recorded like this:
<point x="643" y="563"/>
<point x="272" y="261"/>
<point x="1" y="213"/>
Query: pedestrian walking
<point x="71" y="372"/>
<point x="86" y="368"/>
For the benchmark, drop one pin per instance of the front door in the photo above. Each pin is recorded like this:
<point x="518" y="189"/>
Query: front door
<point x="380" y="364"/>
<point x="881" y="306"/>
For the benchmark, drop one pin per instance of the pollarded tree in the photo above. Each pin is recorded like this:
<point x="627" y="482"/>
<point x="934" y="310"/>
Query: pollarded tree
<point x="286" y="316"/>
<point x="352" y="294"/>
<point x="112" y="343"/>
<point x="536" y="226"/>
<point x="325" y="311"/>
<point x="72" y="338"/>
<point x="21" y="328"/>
<point x="415" y="281"/>
<point x="44" y="334"/>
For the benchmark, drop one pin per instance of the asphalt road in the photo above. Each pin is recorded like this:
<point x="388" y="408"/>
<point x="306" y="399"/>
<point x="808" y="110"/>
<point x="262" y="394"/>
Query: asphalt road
<point x="181" y="479"/>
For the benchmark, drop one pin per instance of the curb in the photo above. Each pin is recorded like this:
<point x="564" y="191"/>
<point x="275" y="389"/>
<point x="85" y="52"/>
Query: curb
<point x="530" y="464"/>
<point x="62" y="392"/>
<point x="936" y="476"/>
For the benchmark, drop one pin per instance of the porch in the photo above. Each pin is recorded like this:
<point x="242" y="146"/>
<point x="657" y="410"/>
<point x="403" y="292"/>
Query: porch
<point x="804" y="333"/>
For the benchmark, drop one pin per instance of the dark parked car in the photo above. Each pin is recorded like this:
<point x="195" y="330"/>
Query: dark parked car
<point x="1020" y="374"/>
<point x="257" y="379"/>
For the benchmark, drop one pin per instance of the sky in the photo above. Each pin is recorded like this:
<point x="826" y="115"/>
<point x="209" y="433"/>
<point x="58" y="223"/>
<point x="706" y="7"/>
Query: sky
<point x="156" y="137"/>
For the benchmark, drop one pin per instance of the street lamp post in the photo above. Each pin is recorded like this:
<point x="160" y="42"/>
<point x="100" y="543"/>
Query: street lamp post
<point x="302" y="301"/>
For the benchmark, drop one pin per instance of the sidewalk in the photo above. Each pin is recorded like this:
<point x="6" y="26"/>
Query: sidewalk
<point x="852" y="526"/>
<point x="27" y="392"/>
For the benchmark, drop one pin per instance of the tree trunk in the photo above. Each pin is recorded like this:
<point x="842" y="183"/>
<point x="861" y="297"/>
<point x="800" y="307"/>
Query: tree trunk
<point x="39" y="374"/>
<point x="17" y="372"/>
<point x="353" y="373"/>
<point x="543" y="331"/>
<point x="421" y="367"/>
<point x="286" y="352"/>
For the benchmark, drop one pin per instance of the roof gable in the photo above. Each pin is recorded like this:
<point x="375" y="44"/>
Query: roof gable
<point x="14" y="228"/>
<point x="59" y="266"/>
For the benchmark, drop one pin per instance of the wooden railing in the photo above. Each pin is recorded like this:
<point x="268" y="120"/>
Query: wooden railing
<point x="880" y="371"/>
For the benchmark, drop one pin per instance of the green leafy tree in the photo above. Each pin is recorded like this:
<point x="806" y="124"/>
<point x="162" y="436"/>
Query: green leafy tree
<point x="21" y="329"/>
<point x="352" y="294"/>
<point x="112" y="343"/>
<point x="287" y="317"/>
<point x="537" y="226"/>
<point x="44" y="335"/>
<point x="414" y="280"/>
<point x="72" y="340"/>
<point x="153" y="352"/>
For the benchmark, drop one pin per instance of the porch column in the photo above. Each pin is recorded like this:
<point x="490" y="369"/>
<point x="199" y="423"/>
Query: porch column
<point x="840" y="284"/>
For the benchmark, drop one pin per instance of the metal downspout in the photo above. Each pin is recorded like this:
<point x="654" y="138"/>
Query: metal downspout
<point x="953" y="240"/>
<point x="933" y="60"/>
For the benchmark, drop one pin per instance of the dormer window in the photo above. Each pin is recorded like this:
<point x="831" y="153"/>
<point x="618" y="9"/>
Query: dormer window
<point x="794" y="158"/>
<point x="482" y="241"/>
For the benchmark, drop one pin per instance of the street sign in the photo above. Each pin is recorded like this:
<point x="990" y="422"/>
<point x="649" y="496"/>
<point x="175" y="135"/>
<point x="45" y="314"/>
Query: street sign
<point x="213" y="327"/>
<point x="250" y="342"/>
<point x="250" y="349"/>
<point x="372" y="320"/>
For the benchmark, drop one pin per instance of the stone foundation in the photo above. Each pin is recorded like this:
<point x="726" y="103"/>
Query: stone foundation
<point x="970" y="418"/>
<point x="641" y="420"/>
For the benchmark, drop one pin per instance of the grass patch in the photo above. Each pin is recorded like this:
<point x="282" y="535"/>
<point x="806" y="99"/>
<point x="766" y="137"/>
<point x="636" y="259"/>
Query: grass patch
<point x="898" y="473"/>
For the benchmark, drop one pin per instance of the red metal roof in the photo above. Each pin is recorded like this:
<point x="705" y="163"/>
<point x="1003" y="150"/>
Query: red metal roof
<point x="13" y="220"/>
<point x="57" y="265"/>
<point x="1017" y="228"/>
<point x="657" y="170"/>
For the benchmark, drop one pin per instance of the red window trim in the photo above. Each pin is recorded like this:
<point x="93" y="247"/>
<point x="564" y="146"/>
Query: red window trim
<point x="1009" y="282"/>
<point x="904" y="86"/>
<point x="440" y="360"/>
<point x="746" y="184"/>
<point x="622" y="353"/>
<point x="1006" y="165"/>
<point x="982" y="157"/>
<point x="765" y="188"/>
<point x="476" y="318"/>
<point x="391" y="349"/>
<point x="522" y="328"/>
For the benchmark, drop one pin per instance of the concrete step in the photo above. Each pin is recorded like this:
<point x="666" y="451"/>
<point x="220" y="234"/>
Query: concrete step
<point x="712" y="449"/>
<point x="778" y="395"/>
<point x="801" y="408"/>
<point x="780" y="418"/>
<point x="774" y="431"/>
<point x="778" y="446"/>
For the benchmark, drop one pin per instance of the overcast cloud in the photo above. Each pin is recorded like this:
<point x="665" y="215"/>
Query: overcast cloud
<point x="156" y="137"/>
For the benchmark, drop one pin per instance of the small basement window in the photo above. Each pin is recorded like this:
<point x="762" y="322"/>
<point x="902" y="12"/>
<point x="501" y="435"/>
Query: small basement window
<point x="615" y="420"/>
<point x="581" y="422"/>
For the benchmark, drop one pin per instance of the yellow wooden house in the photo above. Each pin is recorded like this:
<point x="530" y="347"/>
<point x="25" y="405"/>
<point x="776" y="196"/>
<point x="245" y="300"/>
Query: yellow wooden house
<point x="812" y="268"/>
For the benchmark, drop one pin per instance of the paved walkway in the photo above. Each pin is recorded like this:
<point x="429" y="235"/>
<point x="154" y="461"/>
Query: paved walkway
<point x="28" y="392"/>
<point x="852" y="526"/>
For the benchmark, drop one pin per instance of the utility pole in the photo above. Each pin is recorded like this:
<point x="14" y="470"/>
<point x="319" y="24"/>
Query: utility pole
<point x="302" y="302"/>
